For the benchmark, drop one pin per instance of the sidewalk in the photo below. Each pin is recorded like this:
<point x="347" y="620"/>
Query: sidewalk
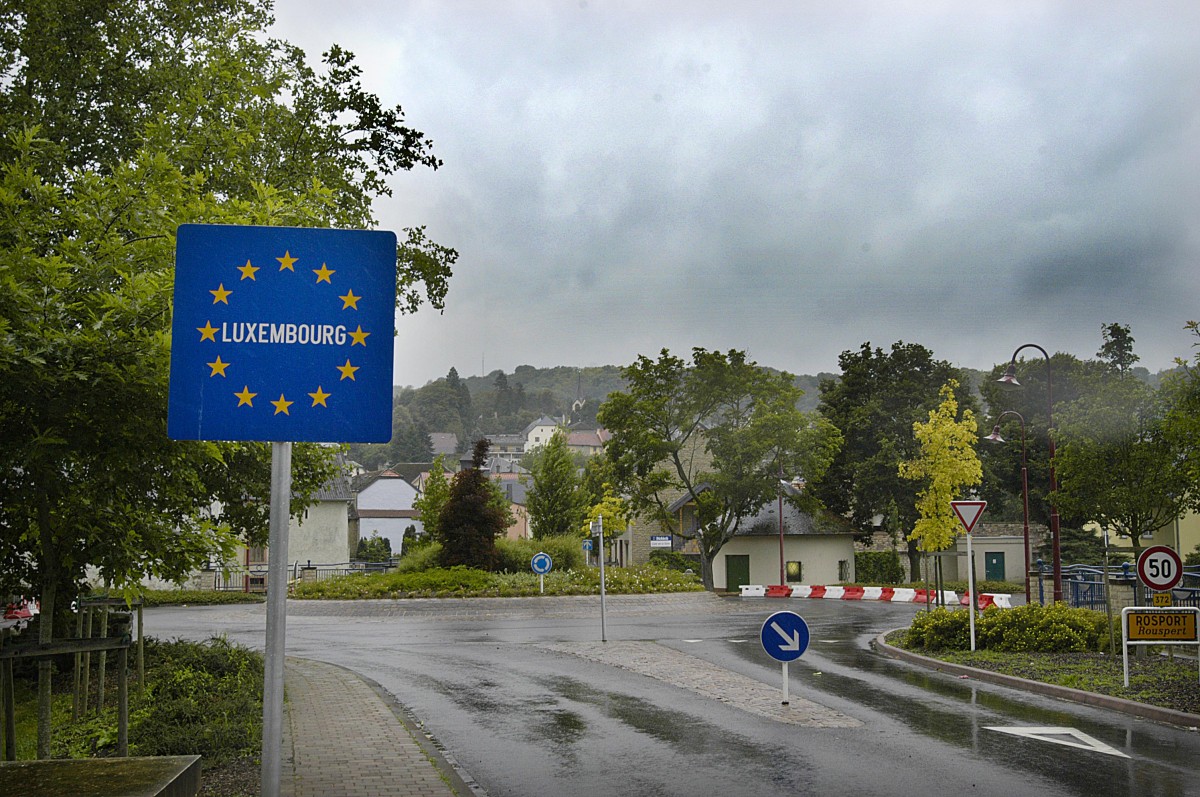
<point x="343" y="738"/>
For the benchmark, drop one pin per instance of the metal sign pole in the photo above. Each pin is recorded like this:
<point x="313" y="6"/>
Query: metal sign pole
<point x="598" y="530"/>
<point x="971" y="590"/>
<point x="272" y="742"/>
<point x="785" y="684"/>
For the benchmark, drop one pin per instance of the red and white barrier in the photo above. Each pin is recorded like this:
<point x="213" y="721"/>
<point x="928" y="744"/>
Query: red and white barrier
<point x="892" y="594"/>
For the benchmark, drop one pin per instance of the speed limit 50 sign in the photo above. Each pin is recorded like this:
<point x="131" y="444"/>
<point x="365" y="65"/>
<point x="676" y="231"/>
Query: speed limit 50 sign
<point x="1159" y="567"/>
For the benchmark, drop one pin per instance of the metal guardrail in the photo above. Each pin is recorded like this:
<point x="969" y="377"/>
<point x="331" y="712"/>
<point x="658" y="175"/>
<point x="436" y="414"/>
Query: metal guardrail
<point x="1084" y="586"/>
<point x="253" y="578"/>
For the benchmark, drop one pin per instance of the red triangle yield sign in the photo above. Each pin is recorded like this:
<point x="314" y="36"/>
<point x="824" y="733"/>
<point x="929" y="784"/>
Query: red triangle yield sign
<point x="968" y="512"/>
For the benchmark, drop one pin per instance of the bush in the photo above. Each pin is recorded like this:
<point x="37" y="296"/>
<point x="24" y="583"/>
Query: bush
<point x="420" y="558"/>
<point x="460" y="582"/>
<point x="878" y="567"/>
<point x="674" y="560"/>
<point x="515" y="555"/>
<point x="200" y="699"/>
<point x="197" y="597"/>
<point x="1025" y="629"/>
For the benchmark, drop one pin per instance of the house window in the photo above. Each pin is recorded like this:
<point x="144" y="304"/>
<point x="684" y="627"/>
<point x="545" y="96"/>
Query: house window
<point x="843" y="570"/>
<point x="256" y="555"/>
<point x="793" y="570"/>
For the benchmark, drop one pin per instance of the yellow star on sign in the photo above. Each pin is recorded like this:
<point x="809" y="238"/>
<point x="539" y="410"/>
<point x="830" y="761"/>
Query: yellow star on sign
<point x="323" y="273"/>
<point x="286" y="262"/>
<point x="350" y="300"/>
<point x="246" y="397"/>
<point x="282" y="405"/>
<point x="359" y="337"/>
<point x="319" y="397"/>
<point x="248" y="271"/>
<point x="217" y="367"/>
<point x="220" y="294"/>
<point x="348" y="370"/>
<point x="207" y="332"/>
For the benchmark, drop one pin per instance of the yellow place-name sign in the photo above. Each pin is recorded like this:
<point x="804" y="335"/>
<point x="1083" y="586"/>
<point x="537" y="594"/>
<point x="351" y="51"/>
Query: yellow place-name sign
<point x="1159" y="626"/>
<point x="1162" y="599"/>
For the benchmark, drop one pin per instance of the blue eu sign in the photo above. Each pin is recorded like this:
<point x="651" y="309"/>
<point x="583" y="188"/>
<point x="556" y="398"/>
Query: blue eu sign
<point x="282" y="334"/>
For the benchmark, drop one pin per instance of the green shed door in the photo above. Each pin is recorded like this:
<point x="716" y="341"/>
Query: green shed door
<point x="737" y="571"/>
<point x="993" y="566"/>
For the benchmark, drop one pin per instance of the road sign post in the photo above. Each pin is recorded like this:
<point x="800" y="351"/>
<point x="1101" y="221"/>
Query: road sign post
<point x="784" y="637"/>
<point x="288" y="311"/>
<point x="541" y="564"/>
<point x="597" y="529"/>
<point x="1145" y="626"/>
<point x="968" y="513"/>
<point x="1159" y="568"/>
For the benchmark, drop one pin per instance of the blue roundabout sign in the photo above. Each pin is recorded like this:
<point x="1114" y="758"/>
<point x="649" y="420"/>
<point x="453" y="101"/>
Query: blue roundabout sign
<point x="541" y="563"/>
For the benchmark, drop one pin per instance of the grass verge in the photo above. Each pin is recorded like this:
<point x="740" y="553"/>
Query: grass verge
<point x="1156" y="680"/>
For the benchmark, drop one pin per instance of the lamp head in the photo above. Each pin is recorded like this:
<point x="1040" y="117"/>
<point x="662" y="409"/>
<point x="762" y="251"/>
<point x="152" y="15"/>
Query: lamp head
<point x="995" y="435"/>
<point x="1010" y="375"/>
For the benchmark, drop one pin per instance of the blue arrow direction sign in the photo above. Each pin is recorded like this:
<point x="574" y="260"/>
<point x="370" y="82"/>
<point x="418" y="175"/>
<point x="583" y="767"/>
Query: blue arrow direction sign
<point x="587" y="545"/>
<point x="784" y="636"/>
<point x="541" y="563"/>
<point x="282" y="334"/>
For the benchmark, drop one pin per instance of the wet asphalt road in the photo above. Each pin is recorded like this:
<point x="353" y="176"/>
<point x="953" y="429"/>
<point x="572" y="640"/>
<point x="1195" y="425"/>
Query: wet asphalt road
<point x="512" y="690"/>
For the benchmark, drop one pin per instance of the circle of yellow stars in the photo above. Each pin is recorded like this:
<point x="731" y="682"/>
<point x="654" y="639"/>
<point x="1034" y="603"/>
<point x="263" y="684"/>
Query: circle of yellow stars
<point x="324" y="274"/>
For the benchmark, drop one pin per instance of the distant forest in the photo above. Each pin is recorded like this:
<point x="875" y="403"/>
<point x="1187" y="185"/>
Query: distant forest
<point x="502" y="403"/>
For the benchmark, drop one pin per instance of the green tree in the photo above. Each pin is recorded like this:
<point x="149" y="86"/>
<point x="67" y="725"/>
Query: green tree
<point x="472" y="518"/>
<point x="462" y="402"/>
<point x="374" y="549"/>
<point x="875" y="402"/>
<point x="613" y="510"/>
<point x="1065" y="378"/>
<point x="433" y="498"/>
<point x="555" y="502"/>
<point x="947" y="464"/>
<point x="1117" y="349"/>
<point x="121" y="121"/>
<point x="717" y="431"/>
<point x="1116" y="463"/>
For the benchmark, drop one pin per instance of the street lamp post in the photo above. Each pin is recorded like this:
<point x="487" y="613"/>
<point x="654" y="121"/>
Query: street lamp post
<point x="1010" y="377"/>
<point x="996" y="438"/>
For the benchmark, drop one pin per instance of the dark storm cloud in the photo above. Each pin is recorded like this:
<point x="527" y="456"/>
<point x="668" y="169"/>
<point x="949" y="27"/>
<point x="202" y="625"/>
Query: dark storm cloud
<point x="792" y="179"/>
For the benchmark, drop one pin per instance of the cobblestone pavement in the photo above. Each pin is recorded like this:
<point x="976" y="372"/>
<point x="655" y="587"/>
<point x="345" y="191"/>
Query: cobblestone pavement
<point x="342" y="739"/>
<point x="688" y="672"/>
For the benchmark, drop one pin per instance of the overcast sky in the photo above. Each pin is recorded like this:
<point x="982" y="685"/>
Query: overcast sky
<point x="789" y="178"/>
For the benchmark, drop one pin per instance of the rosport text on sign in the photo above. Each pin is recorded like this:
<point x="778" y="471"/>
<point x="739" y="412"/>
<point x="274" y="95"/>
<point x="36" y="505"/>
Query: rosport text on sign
<point x="1152" y="626"/>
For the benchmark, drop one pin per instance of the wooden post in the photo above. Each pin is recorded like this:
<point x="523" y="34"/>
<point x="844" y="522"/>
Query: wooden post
<point x="123" y="702"/>
<point x="76" y="701"/>
<point x="141" y="653"/>
<point x="87" y="665"/>
<point x="100" y="675"/>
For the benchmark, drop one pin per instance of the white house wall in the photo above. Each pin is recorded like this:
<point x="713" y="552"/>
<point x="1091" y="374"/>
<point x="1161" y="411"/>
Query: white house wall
<point x="819" y="556"/>
<point x="387" y="493"/>
<point x="321" y="535"/>
<point x="392" y="528"/>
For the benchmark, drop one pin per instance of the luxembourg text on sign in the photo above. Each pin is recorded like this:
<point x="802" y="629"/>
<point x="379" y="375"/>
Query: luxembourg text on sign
<point x="282" y="334"/>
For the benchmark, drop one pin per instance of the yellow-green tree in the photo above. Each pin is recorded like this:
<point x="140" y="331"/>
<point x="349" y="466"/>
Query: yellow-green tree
<point x="613" y="510"/>
<point x="947" y="464"/>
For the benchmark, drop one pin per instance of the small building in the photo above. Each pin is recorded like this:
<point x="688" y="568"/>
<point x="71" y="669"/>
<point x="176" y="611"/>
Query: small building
<point x="999" y="550"/>
<point x="816" y="549"/>
<point x="385" y="507"/>
<point x="538" y="433"/>
<point x="588" y="442"/>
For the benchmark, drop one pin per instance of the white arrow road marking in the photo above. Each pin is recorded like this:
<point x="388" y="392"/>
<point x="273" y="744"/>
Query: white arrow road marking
<point x="1065" y="736"/>
<point x="792" y="642"/>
